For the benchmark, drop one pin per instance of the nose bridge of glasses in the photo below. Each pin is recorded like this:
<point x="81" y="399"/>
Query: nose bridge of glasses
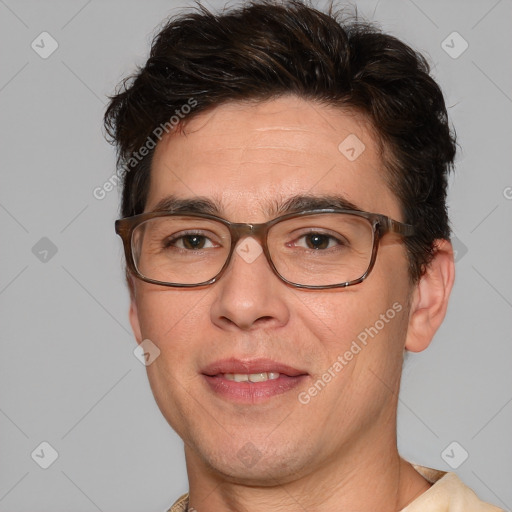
<point x="241" y="244"/>
<point x="240" y="231"/>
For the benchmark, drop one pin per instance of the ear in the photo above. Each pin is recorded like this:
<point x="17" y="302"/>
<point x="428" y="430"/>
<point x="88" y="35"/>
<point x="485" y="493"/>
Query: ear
<point x="430" y="298"/>
<point x="133" y="314"/>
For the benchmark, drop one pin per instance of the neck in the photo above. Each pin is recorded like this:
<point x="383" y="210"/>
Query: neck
<point x="363" y="478"/>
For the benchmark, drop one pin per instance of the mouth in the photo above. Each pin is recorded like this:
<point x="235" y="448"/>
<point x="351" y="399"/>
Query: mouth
<point x="251" y="381"/>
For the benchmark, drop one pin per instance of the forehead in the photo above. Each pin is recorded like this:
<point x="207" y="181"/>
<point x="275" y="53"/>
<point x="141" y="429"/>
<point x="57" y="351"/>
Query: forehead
<point x="250" y="157"/>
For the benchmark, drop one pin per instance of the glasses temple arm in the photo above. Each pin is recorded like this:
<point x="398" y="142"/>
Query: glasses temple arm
<point x="399" y="227"/>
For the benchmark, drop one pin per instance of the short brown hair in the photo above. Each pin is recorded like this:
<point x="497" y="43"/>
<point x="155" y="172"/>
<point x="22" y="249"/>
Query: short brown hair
<point x="265" y="49"/>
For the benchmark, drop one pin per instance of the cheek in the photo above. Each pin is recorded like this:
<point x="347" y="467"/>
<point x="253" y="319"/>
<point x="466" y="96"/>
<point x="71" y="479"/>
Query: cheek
<point x="174" y="320"/>
<point x="369" y="320"/>
<point x="339" y="317"/>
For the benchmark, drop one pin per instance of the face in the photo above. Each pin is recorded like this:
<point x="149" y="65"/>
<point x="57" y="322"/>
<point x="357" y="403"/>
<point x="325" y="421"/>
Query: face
<point x="338" y="352"/>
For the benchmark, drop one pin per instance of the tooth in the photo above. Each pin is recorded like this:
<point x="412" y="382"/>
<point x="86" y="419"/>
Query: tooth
<point x="258" y="377"/>
<point x="252" y="377"/>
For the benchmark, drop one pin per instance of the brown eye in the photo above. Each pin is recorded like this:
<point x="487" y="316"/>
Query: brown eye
<point x="190" y="242"/>
<point x="317" y="241"/>
<point x="193" y="241"/>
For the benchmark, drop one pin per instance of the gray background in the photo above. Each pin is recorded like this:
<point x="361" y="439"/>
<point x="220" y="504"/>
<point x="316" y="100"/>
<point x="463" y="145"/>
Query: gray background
<point x="68" y="375"/>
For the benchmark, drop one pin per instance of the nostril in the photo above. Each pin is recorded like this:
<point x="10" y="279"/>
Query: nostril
<point x="262" y="322"/>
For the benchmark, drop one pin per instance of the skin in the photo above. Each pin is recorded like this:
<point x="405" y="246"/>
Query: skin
<point x="338" y="452"/>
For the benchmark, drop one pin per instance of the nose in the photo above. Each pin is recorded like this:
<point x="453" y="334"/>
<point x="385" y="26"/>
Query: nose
<point x="249" y="295"/>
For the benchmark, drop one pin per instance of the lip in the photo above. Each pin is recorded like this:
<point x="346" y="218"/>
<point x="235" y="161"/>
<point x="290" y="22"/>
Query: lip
<point x="233" y="365"/>
<point x="251" y="392"/>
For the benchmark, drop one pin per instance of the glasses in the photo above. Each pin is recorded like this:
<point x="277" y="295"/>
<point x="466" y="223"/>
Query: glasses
<point x="315" y="249"/>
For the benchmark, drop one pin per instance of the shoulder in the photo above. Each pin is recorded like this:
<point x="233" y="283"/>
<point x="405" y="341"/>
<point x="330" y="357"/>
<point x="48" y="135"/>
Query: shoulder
<point x="180" y="505"/>
<point x="447" y="494"/>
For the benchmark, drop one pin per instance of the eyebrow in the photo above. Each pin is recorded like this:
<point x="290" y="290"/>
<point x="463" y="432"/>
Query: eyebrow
<point x="311" y="202"/>
<point x="189" y="205"/>
<point x="273" y="208"/>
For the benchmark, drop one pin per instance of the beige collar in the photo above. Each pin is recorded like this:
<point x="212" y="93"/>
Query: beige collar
<point x="447" y="494"/>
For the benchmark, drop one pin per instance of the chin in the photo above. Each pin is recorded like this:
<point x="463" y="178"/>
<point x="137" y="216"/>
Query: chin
<point x="263" y="474"/>
<point x="251" y="464"/>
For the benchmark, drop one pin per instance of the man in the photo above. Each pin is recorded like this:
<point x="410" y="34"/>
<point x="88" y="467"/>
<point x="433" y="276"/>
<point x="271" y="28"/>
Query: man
<point x="286" y="238"/>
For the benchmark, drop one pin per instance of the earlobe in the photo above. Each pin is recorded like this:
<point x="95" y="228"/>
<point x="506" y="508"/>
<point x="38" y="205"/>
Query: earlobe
<point x="430" y="298"/>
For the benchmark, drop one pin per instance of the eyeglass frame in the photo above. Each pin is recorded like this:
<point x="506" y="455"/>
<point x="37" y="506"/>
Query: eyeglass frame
<point x="381" y="225"/>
